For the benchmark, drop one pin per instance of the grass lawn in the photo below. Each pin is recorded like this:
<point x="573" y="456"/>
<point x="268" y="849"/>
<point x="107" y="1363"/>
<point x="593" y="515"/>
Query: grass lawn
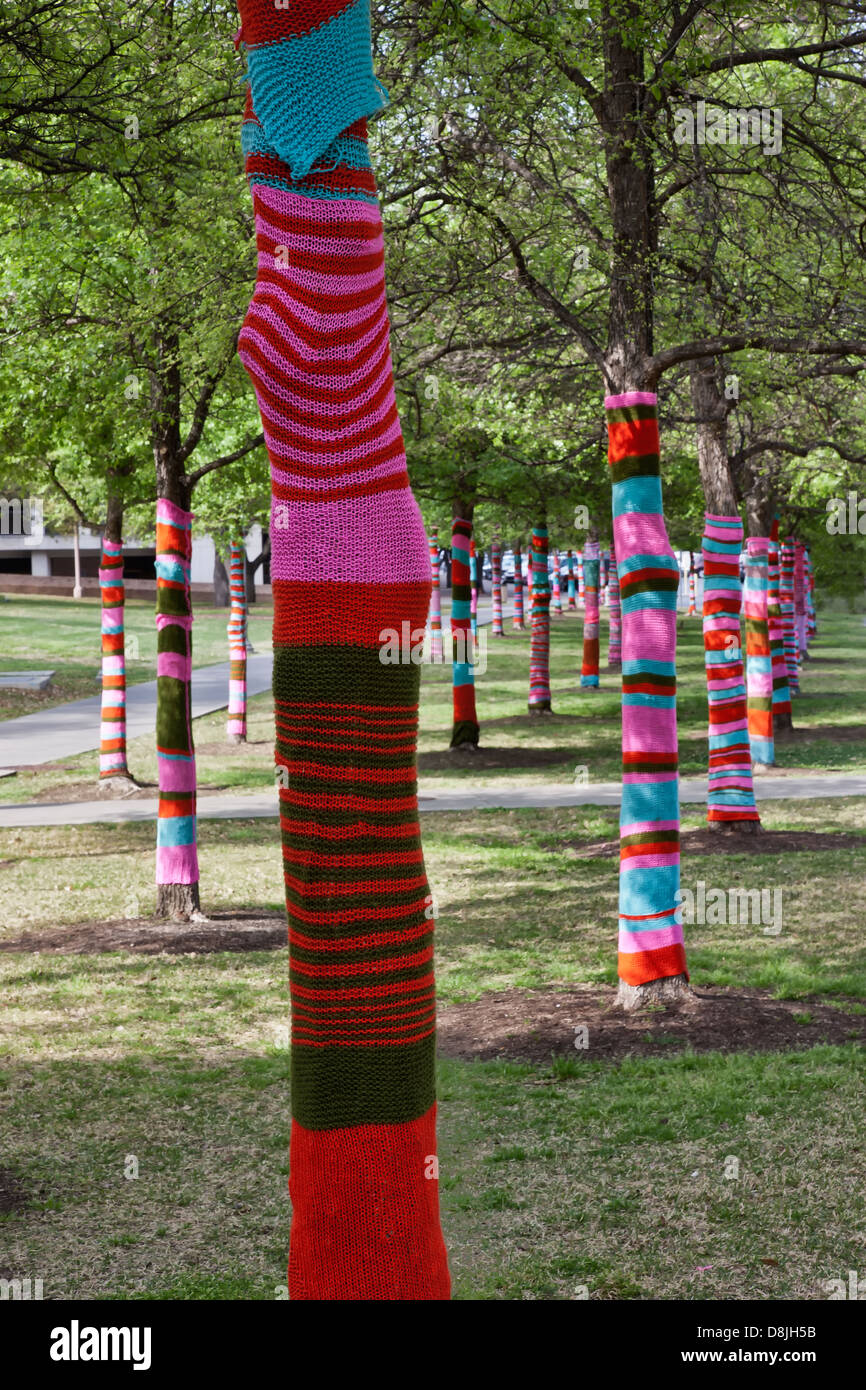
<point x="516" y="748"/>
<point x="557" y="1178"/>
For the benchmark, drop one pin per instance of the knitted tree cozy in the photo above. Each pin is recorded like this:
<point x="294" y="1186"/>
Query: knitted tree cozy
<point x="350" y="564"/>
<point x="176" y="853"/>
<point x="580" y="585"/>
<point x="781" y="693"/>
<point x="759" y="663"/>
<point x="473" y="591"/>
<point x="435" y="600"/>
<point x="614" y="635"/>
<point x="692" y="589"/>
<point x="800" y="599"/>
<point x="811" y="625"/>
<point x="496" y="587"/>
<point x="786" y="594"/>
<point x="236" y="726"/>
<point x="650" y="936"/>
<point x="465" y="727"/>
<point x="572" y="587"/>
<point x="518" y="619"/>
<point x="731" y="795"/>
<point x="112" y="732"/>
<point x="589" y="667"/>
<point x="556" y="600"/>
<point x="539" y="647"/>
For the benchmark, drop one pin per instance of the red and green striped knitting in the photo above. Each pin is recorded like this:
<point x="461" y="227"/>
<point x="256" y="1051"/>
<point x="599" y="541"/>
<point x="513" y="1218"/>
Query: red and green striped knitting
<point x="112" y="733"/>
<point x="614" y="637"/>
<point x="589" y="667"/>
<point x="435" y="600"/>
<point x="176" y="853"/>
<point x="781" y="693"/>
<point x="650" y="936"/>
<point x="731" y="795"/>
<point x="759" y="662"/>
<point x="350" y="570"/>
<point x="496" y="587"/>
<point x="236" y="726"/>
<point x="518" y="620"/>
<point x="539" y="647"/>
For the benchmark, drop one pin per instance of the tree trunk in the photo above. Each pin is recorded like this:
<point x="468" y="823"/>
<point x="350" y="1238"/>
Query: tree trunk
<point x="519" y="622"/>
<point x="465" y="731"/>
<point x="350" y="562"/>
<point x="435" y="601"/>
<point x="800" y="599"/>
<point x="221" y="586"/>
<point x="76" y="557"/>
<point x="473" y="593"/>
<point x="759" y="663"/>
<point x="581" y="587"/>
<point x="589" y="667"/>
<point x="782" y="718"/>
<point x="556" y="600"/>
<point x="236" y="726"/>
<point x="113" y="770"/>
<point x="614" y="637"/>
<point x="539" y="647"/>
<point x="496" y="628"/>
<point x="731" y="796"/>
<point x="786" y="602"/>
<point x="572" y="587"/>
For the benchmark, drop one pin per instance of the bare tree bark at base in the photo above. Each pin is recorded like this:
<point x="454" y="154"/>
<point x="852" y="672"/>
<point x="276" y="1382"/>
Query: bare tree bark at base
<point x="735" y="827"/>
<point x="177" y="901"/>
<point x="673" y="989"/>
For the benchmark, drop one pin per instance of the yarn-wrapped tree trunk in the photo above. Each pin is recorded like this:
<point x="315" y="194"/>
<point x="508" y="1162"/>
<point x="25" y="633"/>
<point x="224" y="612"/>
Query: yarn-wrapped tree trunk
<point x="581" y="592"/>
<point x="556" y="603"/>
<point x="572" y="586"/>
<point x="652" y="959"/>
<point x="236" y="725"/>
<point x="614" y="617"/>
<point x="435" y="600"/>
<point x="539" y="647"/>
<point x="731" y="797"/>
<point x="589" y="666"/>
<point x="693" y="607"/>
<point x="518" y="621"/>
<point x="112" y="732"/>
<point x="473" y="581"/>
<point x="350" y="567"/>
<point x="800" y="600"/>
<point x="496" y="628"/>
<point x="786" y="595"/>
<point x="811" y="625"/>
<point x="176" y="851"/>
<point x="759" y="663"/>
<point x="465" y="731"/>
<point x="782" y="719"/>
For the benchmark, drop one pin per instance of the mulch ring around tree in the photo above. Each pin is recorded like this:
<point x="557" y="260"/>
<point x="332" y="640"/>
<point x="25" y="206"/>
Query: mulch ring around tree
<point x="538" y="1025"/>
<point x="705" y="841"/>
<point x="240" y="931"/>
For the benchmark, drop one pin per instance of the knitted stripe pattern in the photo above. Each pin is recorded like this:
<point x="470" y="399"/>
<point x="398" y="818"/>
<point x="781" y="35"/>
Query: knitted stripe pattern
<point x="731" y="795"/>
<point x="435" y="600"/>
<point x="465" y="726"/>
<point x="589" y="668"/>
<point x="473" y="591"/>
<point x="604" y="578"/>
<point x="556" y="602"/>
<point x="112" y="731"/>
<point x="176" y="855"/>
<point x="539" y="647"/>
<point x="811" y="625"/>
<point x="236" y="726"/>
<point x="800" y="599"/>
<point x="496" y="585"/>
<point x="650" y="937"/>
<point x="572" y="586"/>
<point x="614" y="634"/>
<point x="786" y="595"/>
<point x="518" y="619"/>
<point x="692" y="595"/>
<point x="581" y="597"/>
<point x="350" y="566"/>
<point x="759" y="661"/>
<point x="781" y="693"/>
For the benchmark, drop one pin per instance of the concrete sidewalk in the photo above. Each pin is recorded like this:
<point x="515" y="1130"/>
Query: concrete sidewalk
<point x="263" y="805"/>
<point x="65" y="730"/>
